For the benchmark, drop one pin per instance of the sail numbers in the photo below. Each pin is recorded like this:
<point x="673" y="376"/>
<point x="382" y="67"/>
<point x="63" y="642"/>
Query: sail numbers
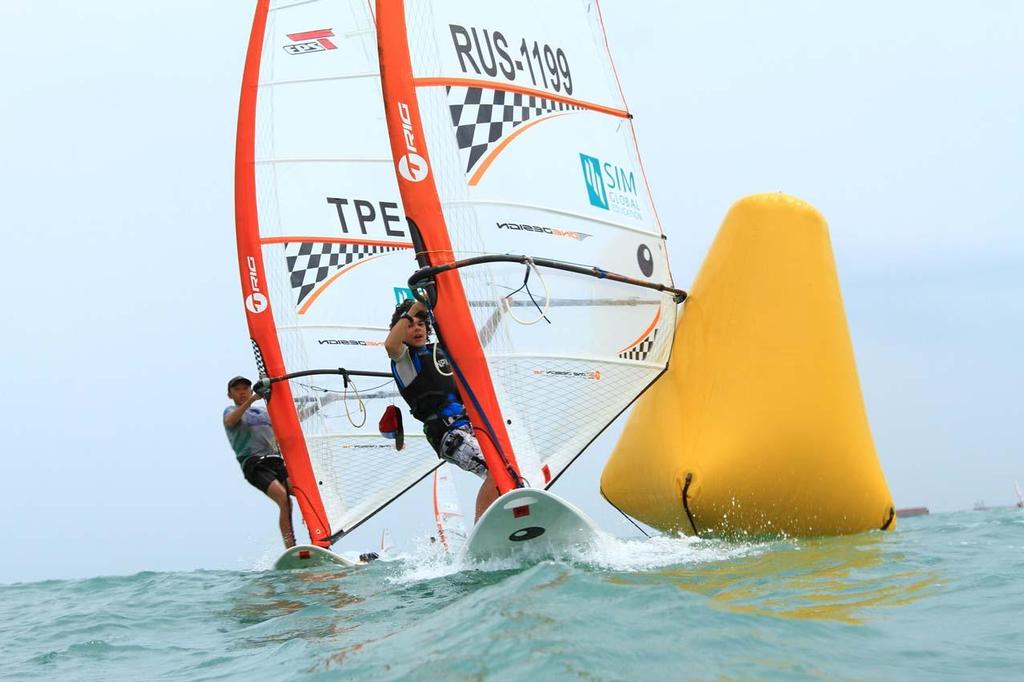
<point x="484" y="52"/>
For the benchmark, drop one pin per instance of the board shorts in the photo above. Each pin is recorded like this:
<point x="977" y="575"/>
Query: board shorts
<point x="262" y="471"/>
<point x="459" y="447"/>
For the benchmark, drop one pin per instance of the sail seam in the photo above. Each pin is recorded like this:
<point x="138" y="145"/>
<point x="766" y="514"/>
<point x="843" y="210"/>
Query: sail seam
<point x="580" y="358"/>
<point x="548" y="209"/>
<point x="318" y="79"/>
<point x="475" y="83"/>
<point x="265" y="162"/>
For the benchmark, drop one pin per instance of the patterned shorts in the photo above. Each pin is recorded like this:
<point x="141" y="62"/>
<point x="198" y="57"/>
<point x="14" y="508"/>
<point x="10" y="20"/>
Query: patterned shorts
<point x="459" y="447"/>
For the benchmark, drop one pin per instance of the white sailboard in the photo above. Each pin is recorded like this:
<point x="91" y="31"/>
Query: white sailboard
<point x="324" y="253"/>
<point x="510" y="136"/>
<point x="529" y="521"/>
<point x="311" y="556"/>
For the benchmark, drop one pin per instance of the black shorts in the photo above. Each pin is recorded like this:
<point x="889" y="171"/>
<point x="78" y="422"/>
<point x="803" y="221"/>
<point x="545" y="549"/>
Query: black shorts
<point x="262" y="471"/>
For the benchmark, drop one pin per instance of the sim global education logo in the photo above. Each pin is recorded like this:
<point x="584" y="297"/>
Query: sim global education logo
<point x="610" y="187"/>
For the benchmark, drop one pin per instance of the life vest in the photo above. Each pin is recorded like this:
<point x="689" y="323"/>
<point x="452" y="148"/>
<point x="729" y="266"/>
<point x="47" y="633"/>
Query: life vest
<point x="432" y="396"/>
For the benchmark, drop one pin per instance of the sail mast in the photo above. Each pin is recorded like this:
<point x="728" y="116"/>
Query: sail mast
<point x="419" y="192"/>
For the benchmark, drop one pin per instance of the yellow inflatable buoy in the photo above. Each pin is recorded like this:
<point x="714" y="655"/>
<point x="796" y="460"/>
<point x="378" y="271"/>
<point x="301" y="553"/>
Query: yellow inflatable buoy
<point x="758" y="427"/>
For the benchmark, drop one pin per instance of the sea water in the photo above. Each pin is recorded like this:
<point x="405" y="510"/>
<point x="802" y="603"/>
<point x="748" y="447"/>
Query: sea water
<point x="942" y="597"/>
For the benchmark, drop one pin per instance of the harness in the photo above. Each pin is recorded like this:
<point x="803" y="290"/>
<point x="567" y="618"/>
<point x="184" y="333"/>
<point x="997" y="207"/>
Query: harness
<point x="433" y="397"/>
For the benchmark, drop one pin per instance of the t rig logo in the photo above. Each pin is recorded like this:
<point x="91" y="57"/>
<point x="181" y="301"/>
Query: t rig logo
<point x="255" y="302"/>
<point x="412" y="166"/>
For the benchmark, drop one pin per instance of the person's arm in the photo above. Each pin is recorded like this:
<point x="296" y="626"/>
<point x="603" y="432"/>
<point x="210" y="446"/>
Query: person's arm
<point x="232" y="418"/>
<point x="393" y="344"/>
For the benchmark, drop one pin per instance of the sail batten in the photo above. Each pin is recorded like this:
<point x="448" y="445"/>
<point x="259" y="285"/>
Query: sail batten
<point x="556" y="211"/>
<point x="281" y="161"/>
<point x="471" y="82"/>
<point x="320" y="79"/>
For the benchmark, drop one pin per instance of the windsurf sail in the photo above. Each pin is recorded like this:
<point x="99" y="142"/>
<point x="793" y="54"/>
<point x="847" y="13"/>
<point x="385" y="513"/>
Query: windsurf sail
<point x="451" y="527"/>
<point x="324" y="254"/>
<point x="386" y="543"/>
<point x="1020" y="496"/>
<point x="510" y="136"/>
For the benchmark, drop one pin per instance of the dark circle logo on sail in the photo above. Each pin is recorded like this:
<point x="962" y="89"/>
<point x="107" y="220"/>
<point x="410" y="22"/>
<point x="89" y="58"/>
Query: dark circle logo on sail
<point x="528" y="533"/>
<point x="645" y="260"/>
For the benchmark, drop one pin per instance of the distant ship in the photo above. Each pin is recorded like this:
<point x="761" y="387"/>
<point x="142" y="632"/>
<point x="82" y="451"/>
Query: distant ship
<point x="911" y="511"/>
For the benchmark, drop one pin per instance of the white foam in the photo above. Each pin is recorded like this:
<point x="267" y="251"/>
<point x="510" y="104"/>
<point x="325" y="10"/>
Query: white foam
<point x="645" y="554"/>
<point x="428" y="561"/>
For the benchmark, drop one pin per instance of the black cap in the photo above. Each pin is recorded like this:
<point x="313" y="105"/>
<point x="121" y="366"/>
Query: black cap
<point x="238" y="380"/>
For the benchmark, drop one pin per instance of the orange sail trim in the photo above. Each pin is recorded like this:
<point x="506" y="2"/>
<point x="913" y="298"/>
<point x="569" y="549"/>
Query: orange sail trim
<point x="259" y="314"/>
<point x="437" y="517"/>
<point x="493" y="154"/>
<point x="654" y="323"/>
<point x="334" y="240"/>
<point x="509" y="87"/>
<point x="423" y="207"/>
<point x="330" y="280"/>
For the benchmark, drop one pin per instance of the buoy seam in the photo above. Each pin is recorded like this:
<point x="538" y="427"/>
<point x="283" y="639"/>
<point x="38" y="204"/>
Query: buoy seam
<point x="686" y="506"/>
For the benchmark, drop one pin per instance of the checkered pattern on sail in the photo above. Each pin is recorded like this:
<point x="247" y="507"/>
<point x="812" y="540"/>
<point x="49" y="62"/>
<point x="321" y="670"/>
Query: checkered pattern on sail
<point x="641" y="350"/>
<point x="310" y="263"/>
<point x="482" y="116"/>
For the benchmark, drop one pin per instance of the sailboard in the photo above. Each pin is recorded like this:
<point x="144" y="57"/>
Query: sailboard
<point x="544" y="262"/>
<point x="311" y="556"/>
<point x="451" y="527"/>
<point x="324" y="253"/>
<point x="532" y="521"/>
<point x="1020" y="496"/>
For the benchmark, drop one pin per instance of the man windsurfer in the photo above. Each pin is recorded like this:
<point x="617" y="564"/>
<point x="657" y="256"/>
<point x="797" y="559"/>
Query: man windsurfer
<point x="424" y="377"/>
<point x="252" y="438"/>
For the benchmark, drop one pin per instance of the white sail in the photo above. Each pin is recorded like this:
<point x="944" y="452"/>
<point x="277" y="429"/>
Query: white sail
<point x="451" y="526"/>
<point x="386" y="543"/>
<point x="520" y="126"/>
<point x="325" y="254"/>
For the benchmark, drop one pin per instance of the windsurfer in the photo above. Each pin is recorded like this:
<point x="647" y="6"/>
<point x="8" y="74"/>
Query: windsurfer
<point x="252" y="438"/>
<point x="424" y="377"/>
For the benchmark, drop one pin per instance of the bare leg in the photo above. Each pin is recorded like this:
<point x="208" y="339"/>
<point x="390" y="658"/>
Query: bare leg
<point x="488" y="494"/>
<point x="279" y="494"/>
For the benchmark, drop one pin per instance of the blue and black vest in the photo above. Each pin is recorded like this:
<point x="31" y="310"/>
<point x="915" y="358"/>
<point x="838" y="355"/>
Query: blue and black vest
<point x="433" y="397"/>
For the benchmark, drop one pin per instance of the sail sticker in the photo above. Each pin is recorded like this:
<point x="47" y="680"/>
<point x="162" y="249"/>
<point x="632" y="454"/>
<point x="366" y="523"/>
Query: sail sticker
<point x="310" y="41"/>
<point x="483" y="116"/>
<point x="475" y="45"/>
<point x="402" y="294"/>
<point x="641" y="348"/>
<point x="541" y="229"/>
<point x="255" y="302"/>
<point x="645" y="259"/>
<point x="412" y="166"/>
<point x="310" y="263"/>
<point x="594" y="375"/>
<point x="610" y="187"/>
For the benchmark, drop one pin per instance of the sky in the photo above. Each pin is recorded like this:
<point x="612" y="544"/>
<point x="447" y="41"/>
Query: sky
<point x="903" y="123"/>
